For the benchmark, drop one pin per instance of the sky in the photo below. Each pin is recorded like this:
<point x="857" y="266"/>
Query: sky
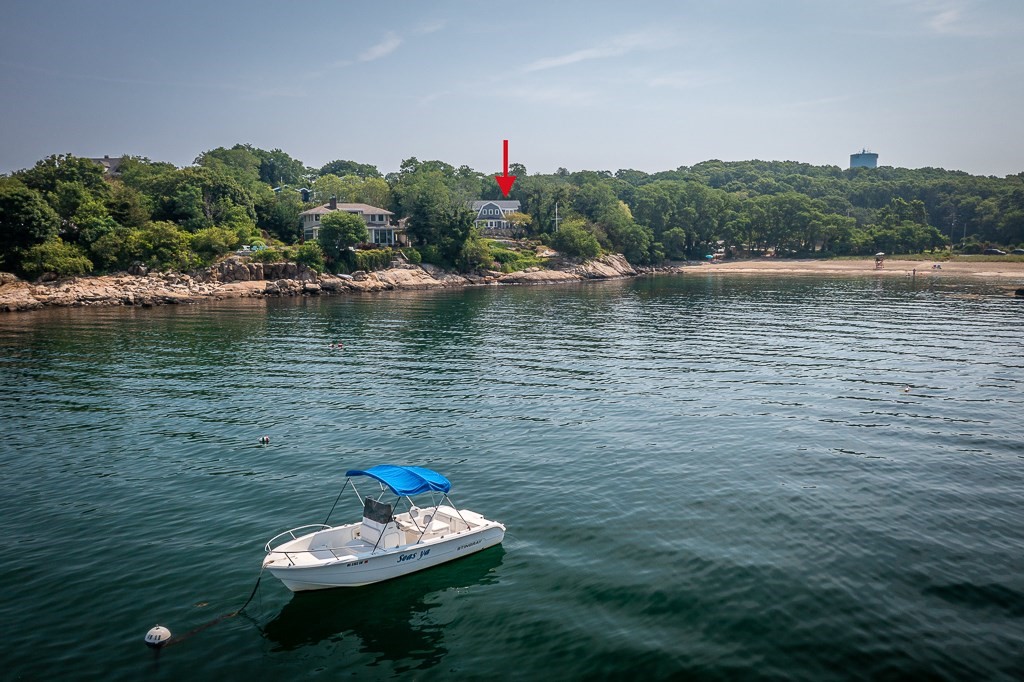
<point x="581" y="85"/>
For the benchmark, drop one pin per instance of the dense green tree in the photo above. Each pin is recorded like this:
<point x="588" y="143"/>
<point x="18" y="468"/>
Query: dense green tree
<point x="127" y="206"/>
<point x="520" y="223"/>
<point x="55" y="256"/>
<point x="116" y="250"/>
<point x="26" y="219"/>
<point x="249" y="163"/>
<point x="594" y="199"/>
<point x="674" y="243"/>
<point x="279" y="169"/>
<point x="239" y="161"/>
<point x="280" y="217"/>
<point x="539" y="196"/>
<point x="213" y="242"/>
<point x="474" y="253"/>
<point x="311" y="255"/>
<point x="342" y="168"/>
<point x="199" y="197"/>
<point x="339" y="231"/>
<point x="342" y="189"/>
<point x="89" y="222"/>
<point x="575" y="241"/>
<point x="159" y="245"/>
<point x="162" y="245"/>
<point x="413" y="166"/>
<point x="375" y="192"/>
<point x="45" y="176"/>
<point x="437" y="215"/>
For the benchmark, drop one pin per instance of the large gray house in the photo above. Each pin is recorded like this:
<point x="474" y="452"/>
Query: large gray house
<point x="490" y="216"/>
<point x="378" y="222"/>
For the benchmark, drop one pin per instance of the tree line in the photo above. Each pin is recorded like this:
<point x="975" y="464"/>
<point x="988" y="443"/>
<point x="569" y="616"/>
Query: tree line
<point x="65" y="215"/>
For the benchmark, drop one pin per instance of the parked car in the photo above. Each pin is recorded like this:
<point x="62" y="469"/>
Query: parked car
<point x="994" y="252"/>
<point x="1018" y="252"/>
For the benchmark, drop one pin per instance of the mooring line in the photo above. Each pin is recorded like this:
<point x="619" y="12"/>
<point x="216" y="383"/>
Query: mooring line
<point x="195" y="631"/>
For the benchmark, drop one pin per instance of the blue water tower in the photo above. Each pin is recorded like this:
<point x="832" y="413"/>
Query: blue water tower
<point x="864" y="159"/>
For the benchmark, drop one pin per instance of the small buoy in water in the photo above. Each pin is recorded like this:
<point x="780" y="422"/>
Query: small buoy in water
<point x="906" y="389"/>
<point x="157" y="636"/>
<point x="265" y="440"/>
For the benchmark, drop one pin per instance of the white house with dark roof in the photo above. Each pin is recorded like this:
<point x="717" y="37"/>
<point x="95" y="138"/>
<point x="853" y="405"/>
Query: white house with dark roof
<point x="490" y="215"/>
<point x="378" y="222"/>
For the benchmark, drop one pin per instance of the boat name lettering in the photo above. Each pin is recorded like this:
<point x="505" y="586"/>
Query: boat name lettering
<point x="410" y="557"/>
<point x="462" y="547"/>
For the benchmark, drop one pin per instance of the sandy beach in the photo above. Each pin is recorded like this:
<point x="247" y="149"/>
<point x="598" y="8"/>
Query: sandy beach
<point x="1009" y="271"/>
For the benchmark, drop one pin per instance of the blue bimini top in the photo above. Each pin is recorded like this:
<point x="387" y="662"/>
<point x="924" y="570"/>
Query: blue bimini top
<point x="405" y="480"/>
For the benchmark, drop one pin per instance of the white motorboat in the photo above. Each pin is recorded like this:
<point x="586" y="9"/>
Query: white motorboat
<point x="384" y="544"/>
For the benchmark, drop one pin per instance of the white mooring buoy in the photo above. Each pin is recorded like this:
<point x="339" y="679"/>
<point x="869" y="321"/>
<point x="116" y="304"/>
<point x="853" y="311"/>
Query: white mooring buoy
<point x="157" y="636"/>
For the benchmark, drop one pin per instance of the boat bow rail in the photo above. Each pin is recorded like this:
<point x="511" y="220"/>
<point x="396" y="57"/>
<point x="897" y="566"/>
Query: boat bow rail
<point x="292" y="536"/>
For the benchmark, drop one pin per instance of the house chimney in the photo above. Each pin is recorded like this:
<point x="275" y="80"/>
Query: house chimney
<point x="334" y="203"/>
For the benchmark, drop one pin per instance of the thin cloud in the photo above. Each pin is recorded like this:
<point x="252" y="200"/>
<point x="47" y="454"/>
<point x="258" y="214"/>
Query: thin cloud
<point x="941" y="16"/>
<point x="683" y="80"/>
<point x="382" y="49"/>
<point x="625" y="44"/>
<point x="556" y="96"/>
<point x="391" y="42"/>
<point x="430" y="27"/>
<point x="958" y="18"/>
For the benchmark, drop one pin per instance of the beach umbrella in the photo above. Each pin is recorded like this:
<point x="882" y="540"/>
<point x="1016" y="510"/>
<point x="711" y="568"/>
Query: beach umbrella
<point x="879" y="254"/>
<point x="710" y="257"/>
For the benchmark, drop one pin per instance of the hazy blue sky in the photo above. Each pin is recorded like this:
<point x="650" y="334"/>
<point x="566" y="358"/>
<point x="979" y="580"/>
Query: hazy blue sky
<point x="595" y="85"/>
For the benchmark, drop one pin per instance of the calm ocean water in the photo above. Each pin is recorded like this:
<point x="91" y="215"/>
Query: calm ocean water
<point x="702" y="478"/>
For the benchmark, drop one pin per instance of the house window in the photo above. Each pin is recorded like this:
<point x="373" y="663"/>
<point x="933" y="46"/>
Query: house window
<point x="317" y="218"/>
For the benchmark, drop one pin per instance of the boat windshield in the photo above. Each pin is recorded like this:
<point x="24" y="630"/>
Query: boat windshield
<point x="377" y="511"/>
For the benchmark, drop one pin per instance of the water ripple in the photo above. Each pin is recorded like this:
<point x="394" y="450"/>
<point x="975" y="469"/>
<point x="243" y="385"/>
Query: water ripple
<point x="702" y="478"/>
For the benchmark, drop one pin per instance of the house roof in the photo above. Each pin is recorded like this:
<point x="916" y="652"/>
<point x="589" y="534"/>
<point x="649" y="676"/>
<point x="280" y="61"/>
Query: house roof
<point x="351" y="208"/>
<point x="110" y="165"/>
<point x="504" y="204"/>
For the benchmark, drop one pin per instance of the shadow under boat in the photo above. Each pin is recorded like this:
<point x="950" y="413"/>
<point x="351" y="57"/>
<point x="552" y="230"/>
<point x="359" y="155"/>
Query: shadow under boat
<point x="390" y="618"/>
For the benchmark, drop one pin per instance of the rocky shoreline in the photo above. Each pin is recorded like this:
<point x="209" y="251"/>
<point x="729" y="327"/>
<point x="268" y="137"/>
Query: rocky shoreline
<point x="238" y="278"/>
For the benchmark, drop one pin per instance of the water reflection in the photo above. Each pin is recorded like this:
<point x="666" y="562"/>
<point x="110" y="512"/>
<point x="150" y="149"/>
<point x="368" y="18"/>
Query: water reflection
<point x="391" y="619"/>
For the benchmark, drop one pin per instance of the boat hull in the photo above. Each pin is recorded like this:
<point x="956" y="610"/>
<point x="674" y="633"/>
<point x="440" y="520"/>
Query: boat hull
<point x="366" y="569"/>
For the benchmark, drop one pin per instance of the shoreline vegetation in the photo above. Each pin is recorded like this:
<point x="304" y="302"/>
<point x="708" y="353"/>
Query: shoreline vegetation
<point x="245" y="221"/>
<point x="239" y="278"/>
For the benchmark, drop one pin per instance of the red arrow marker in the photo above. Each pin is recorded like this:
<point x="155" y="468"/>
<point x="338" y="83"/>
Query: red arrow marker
<point x="505" y="181"/>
